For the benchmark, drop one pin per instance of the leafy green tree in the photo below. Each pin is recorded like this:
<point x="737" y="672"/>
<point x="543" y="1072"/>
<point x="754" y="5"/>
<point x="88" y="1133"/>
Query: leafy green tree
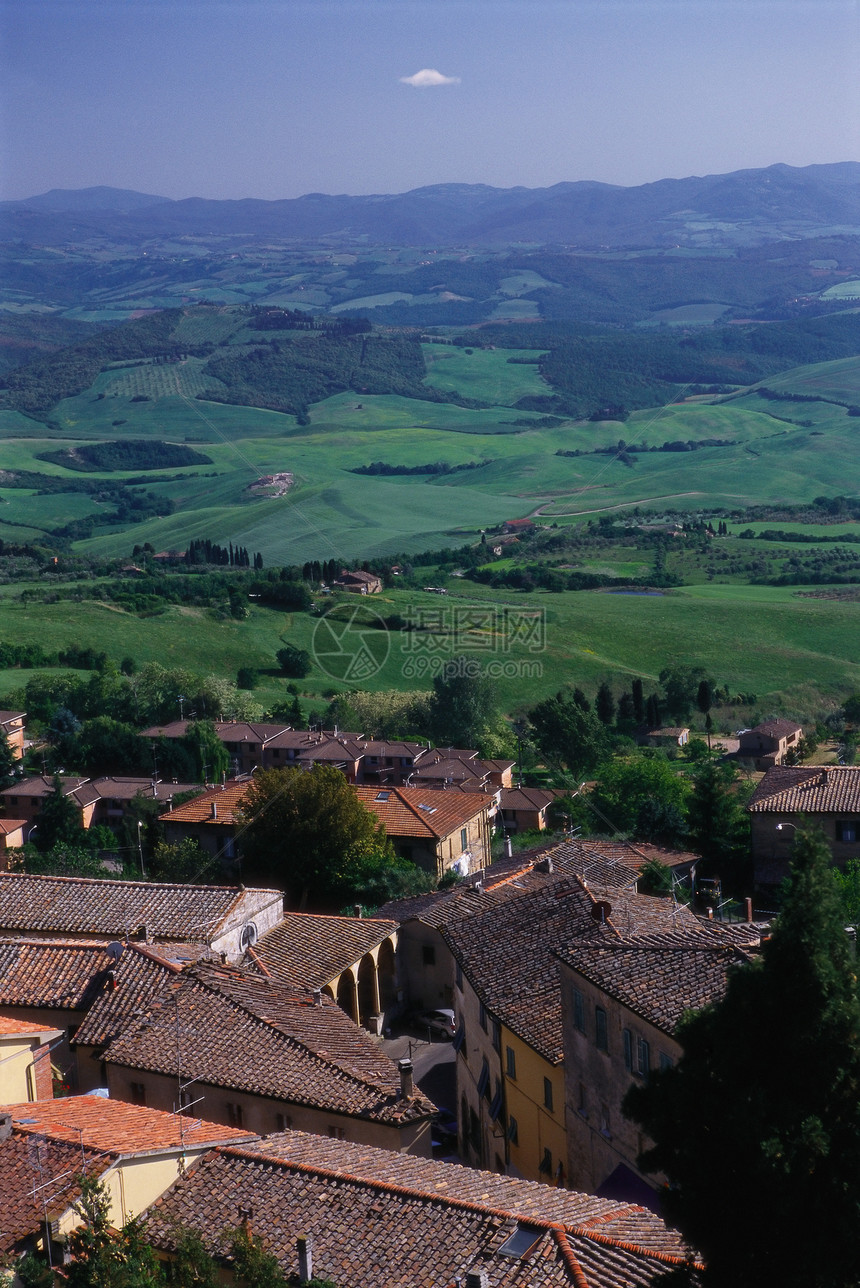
<point x="680" y="687"/>
<point x="59" y="821"/>
<point x="848" y="885"/>
<point x="210" y="756"/>
<point x="637" y="694"/>
<point x="719" y="827"/>
<point x="253" y="1264"/>
<point x="182" y="862"/>
<point x="107" y="746"/>
<point x="102" y="1258"/>
<point x="643" y="797"/>
<point x="63" y="860"/>
<point x="191" y="1265"/>
<point x="308" y="831"/>
<point x="568" y="735"/>
<point x="8" y="763"/>
<point x="758" y="1125"/>
<point x="294" y="661"/>
<point x="247" y="678"/>
<point x="463" y="708"/>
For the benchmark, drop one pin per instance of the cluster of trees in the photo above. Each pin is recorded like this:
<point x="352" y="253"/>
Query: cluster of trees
<point x="133" y="504"/>
<point x="202" y="550"/>
<point x="290" y="374"/>
<point x="102" y="1257"/>
<point x="265" y="318"/>
<point x="126" y="454"/>
<point x="757" y="1127"/>
<point x="437" y="467"/>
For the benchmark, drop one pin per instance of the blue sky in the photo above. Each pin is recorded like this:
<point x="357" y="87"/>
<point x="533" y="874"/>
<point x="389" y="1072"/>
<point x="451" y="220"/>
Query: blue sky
<point x="276" y="98"/>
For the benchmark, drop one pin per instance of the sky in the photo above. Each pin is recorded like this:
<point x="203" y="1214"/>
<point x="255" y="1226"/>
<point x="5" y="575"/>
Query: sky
<point x="277" y="98"/>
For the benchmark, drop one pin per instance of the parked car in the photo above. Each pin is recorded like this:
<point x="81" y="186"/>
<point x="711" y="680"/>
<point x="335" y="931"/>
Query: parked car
<point x="441" y="1022"/>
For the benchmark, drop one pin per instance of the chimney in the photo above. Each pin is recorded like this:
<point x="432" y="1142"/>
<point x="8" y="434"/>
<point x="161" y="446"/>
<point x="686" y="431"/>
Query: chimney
<point x="357" y="910"/>
<point x="509" y="849"/>
<point x="5" y="1125"/>
<point x="305" y="1250"/>
<point x="214" y="809"/>
<point x="477" y="1279"/>
<point x="823" y="779"/>
<point x="318" y="997"/>
<point x="407" y="1084"/>
<point x="748" y="909"/>
<point x="545" y="865"/>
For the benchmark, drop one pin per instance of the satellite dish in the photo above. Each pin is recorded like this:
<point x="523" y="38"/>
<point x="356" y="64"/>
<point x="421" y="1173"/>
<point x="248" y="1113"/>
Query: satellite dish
<point x="248" y="937"/>
<point x="115" y="950"/>
<point x="601" y="911"/>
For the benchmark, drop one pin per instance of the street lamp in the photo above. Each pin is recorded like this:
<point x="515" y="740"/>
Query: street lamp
<point x="181" y="699"/>
<point x="140" y="848"/>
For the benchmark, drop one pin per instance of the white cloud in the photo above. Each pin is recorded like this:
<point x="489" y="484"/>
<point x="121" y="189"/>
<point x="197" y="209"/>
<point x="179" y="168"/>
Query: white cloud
<point x="429" y="76"/>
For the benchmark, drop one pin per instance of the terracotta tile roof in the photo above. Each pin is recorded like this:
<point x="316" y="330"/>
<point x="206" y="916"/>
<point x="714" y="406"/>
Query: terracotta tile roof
<point x="777" y="728"/>
<point x="63" y="975"/>
<point x="508" y="951"/>
<point x="10" y="1028"/>
<point x="43" y="785"/>
<point x="8" y="717"/>
<point x="308" y="951"/>
<point x="90" y="906"/>
<point x="118" y="1128"/>
<point x="451" y="769"/>
<point x="419" y="812"/>
<point x="301" y="740"/>
<point x="257" y="1035"/>
<point x="386" y="1220"/>
<point x="831" y="789"/>
<point x="658" y="982"/>
<point x="226" y="801"/>
<point x="527" y="798"/>
<point x="25" y="1166"/>
<point x="128" y="788"/>
<point x="8" y="825"/>
<point x="382" y="747"/>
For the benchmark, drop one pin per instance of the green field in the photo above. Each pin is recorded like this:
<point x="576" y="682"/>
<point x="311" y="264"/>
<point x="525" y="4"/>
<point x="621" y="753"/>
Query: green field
<point x="795" y="653"/>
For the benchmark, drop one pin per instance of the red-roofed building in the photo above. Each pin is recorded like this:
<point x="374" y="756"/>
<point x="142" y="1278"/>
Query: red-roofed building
<point x="25" y="1059"/>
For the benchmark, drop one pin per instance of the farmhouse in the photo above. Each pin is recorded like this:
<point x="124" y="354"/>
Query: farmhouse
<point x="769" y="743"/>
<point x="437" y="830"/>
<point x="828" y="796"/>
<point x="359" y="583"/>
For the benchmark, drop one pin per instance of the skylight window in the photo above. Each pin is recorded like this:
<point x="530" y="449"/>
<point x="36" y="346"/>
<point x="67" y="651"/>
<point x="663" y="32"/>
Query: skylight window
<point x="521" y="1242"/>
<point x="382" y="796"/>
<point x="428" y="809"/>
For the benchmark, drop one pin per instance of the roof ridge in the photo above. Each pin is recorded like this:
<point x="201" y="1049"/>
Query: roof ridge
<point x="320" y="1057"/>
<point x="558" y="1228"/>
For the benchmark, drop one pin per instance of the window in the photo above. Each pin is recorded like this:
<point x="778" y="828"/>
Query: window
<point x="137" y="1090"/>
<point x="482" y="1016"/>
<point x="484" y="1081"/>
<point x="628" y="1050"/>
<point x="283" y="1122"/>
<point x="547" y="1094"/>
<point x="582" y="1105"/>
<point x="666" y="1062"/>
<point x="496" y="1103"/>
<point x="459" y="977"/>
<point x="601" y="1036"/>
<point x="464" y="838"/>
<point x="546" y="1163"/>
<point x="511" y="1062"/>
<point x="604" y="1120"/>
<point x="459" y="1040"/>
<point x="513" y="1130"/>
<point x="497" y="1036"/>
<point x="521" y="1242"/>
<point x="234" y="1114"/>
<point x="578" y="1011"/>
<point x="847" y="832"/>
<point x="643" y="1050"/>
<point x="428" y="955"/>
<point x="336" y="1133"/>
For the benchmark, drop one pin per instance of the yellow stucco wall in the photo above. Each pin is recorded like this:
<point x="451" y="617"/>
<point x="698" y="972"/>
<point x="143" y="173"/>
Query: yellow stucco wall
<point x="538" y="1128"/>
<point x="16" y="1070"/>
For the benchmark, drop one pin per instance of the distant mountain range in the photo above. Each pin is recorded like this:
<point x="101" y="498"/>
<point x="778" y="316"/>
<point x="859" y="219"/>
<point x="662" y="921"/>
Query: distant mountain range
<point x="745" y="207"/>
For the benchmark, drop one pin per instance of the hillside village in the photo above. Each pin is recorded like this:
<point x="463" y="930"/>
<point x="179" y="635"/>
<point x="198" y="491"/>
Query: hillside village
<point x="217" y="1057"/>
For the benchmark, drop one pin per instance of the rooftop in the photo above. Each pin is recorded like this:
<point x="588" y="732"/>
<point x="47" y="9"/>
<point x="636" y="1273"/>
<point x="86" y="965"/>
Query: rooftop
<point x="775" y="728"/>
<point x="659" y="982"/>
<point x="830" y="789"/>
<point x="258" y="1035"/>
<point x="115" y="909"/>
<point x="309" y="951"/>
<point x="386" y="1220"/>
<point x="23" y="1165"/>
<point x="419" y="812"/>
<point x="116" y="1127"/>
